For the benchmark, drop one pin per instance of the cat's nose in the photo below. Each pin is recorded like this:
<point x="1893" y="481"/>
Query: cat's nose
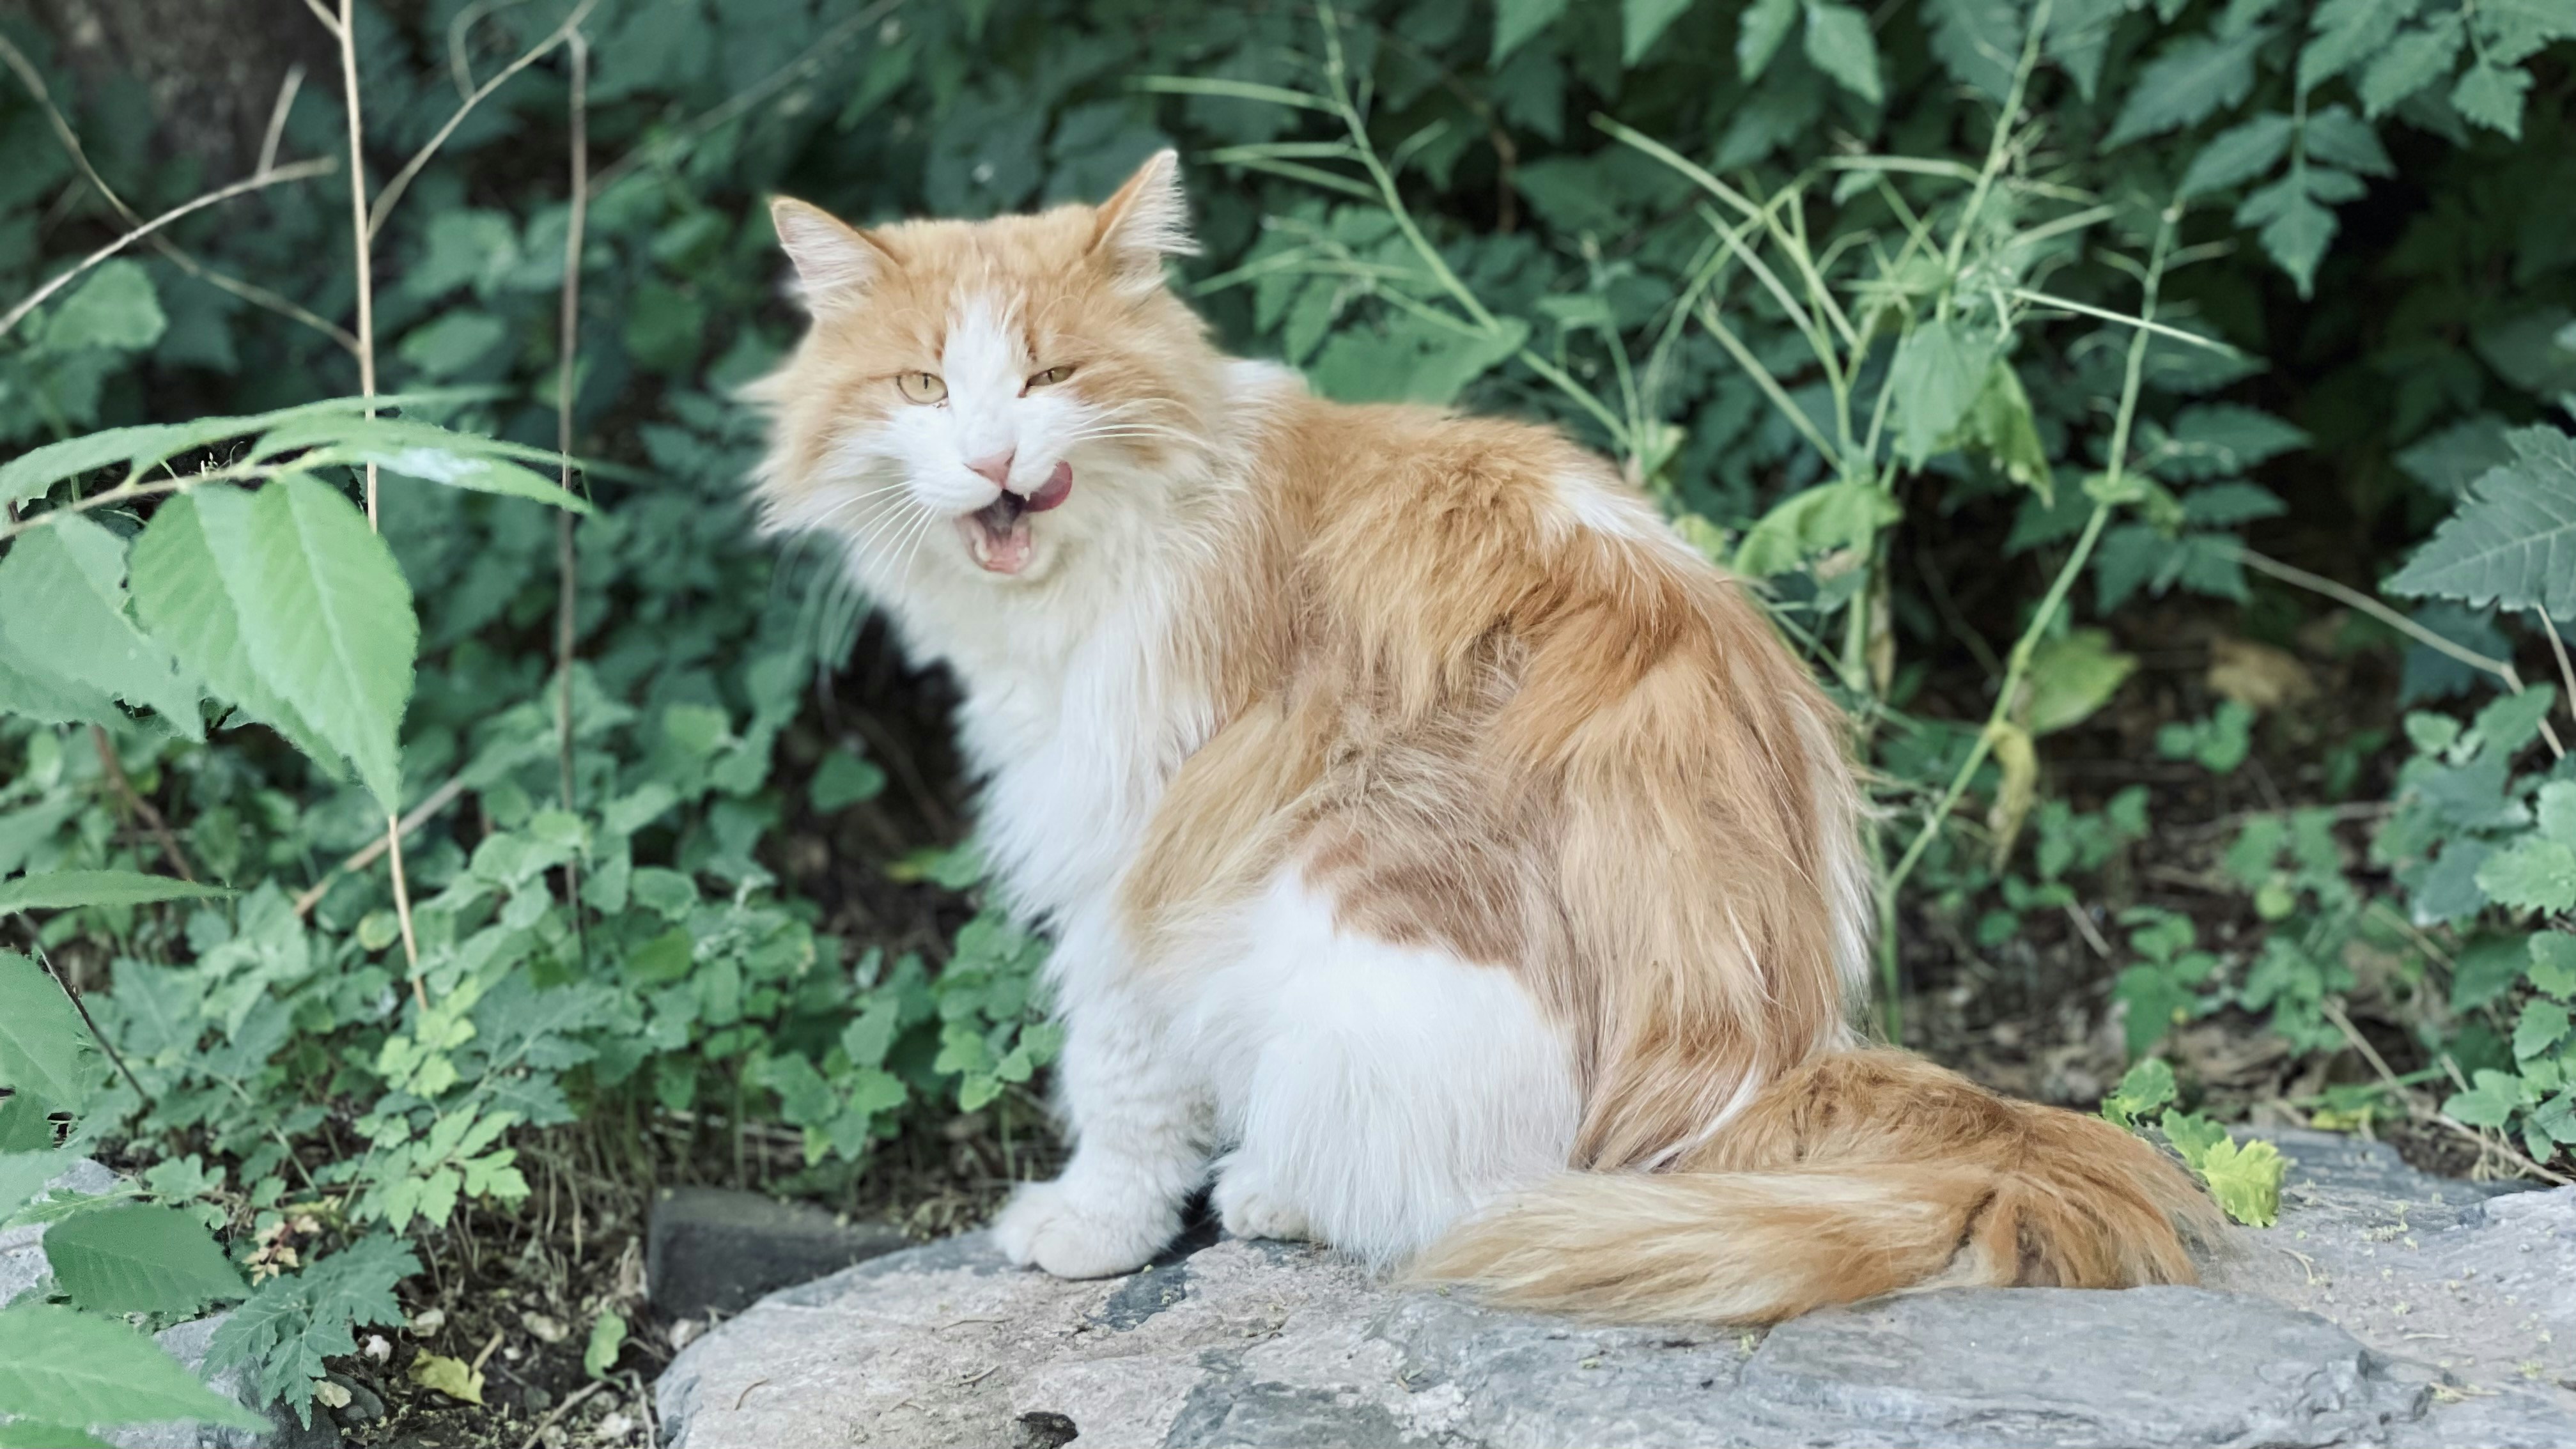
<point x="997" y="467"/>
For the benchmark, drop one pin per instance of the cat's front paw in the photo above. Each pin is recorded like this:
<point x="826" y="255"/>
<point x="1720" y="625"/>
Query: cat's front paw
<point x="1251" y="1209"/>
<point x="1076" y="1235"/>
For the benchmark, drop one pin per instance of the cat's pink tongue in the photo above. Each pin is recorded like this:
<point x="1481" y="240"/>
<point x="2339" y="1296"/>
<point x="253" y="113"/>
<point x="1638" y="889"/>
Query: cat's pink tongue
<point x="1059" y="487"/>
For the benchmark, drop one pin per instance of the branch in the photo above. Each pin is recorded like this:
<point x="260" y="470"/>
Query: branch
<point x="392" y="193"/>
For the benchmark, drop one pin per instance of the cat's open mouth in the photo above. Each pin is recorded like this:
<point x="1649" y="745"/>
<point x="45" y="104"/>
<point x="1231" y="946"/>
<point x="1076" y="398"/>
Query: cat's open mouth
<point x="997" y="534"/>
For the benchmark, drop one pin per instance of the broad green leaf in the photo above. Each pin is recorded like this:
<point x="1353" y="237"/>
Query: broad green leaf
<point x="65" y="1367"/>
<point x="1413" y="360"/>
<point x="2148" y="1086"/>
<point x="607" y="1340"/>
<point x="2192" y="1135"/>
<point x="2245" y="1177"/>
<point x="431" y="454"/>
<point x="62" y="604"/>
<point x="2532" y="875"/>
<point x="2215" y="440"/>
<point x="330" y="628"/>
<point x="114" y="306"/>
<point x="2188" y="81"/>
<point x="2238" y="154"/>
<point x="1643" y="22"/>
<point x="2513" y="540"/>
<point x="44" y="1049"/>
<point x="2001" y="423"/>
<point x="2071" y="677"/>
<point x="2296" y="229"/>
<point x="2543" y="1025"/>
<point x="450" y="1376"/>
<point x="30" y="474"/>
<point x="2339" y="138"/>
<point x="1939" y="370"/>
<point x="2491" y="95"/>
<point x="189" y="565"/>
<point x="2346" y="32"/>
<point x="1765" y="24"/>
<point x="2553" y="963"/>
<point x="452" y="342"/>
<point x="844" y="780"/>
<point x="1838" y="40"/>
<point x="1835" y="515"/>
<point x="2409" y="63"/>
<point x="23" y="1175"/>
<point x="31" y="692"/>
<point x="65" y="889"/>
<point x="138" y="1258"/>
<point x="1515" y="21"/>
<point x="2490" y="1103"/>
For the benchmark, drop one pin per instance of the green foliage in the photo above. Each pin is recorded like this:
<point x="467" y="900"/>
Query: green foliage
<point x="2244" y="1176"/>
<point x="292" y="1322"/>
<point x="137" y="1258"/>
<point x="2513" y="541"/>
<point x="607" y="1340"/>
<point x="58" y="1366"/>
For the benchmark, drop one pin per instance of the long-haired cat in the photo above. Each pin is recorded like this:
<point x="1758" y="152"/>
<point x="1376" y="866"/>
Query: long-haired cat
<point x="1443" y="859"/>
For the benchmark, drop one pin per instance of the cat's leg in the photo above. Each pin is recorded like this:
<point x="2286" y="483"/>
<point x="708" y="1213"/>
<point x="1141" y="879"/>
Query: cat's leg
<point x="1391" y="1089"/>
<point x="1140" y="1119"/>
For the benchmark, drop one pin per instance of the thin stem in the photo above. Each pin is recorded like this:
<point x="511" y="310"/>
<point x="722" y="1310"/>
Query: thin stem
<point x="365" y="855"/>
<point x="2566" y="672"/>
<point x="2064" y="304"/>
<point x="299" y="171"/>
<point x="89" y="1021"/>
<point x="1389" y="196"/>
<point x="567" y="558"/>
<point x="2017" y="663"/>
<point x="393" y="190"/>
<point x="362" y="239"/>
<point x="140" y="808"/>
<point x="2000" y="147"/>
<point x="1770" y="385"/>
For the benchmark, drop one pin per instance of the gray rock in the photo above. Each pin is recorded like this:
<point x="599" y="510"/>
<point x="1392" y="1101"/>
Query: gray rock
<point x="2388" y="1308"/>
<point x="715" y="1249"/>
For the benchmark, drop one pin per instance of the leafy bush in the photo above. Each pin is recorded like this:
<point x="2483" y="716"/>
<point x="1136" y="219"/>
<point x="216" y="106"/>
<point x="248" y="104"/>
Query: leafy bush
<point x="1972" y="320"/>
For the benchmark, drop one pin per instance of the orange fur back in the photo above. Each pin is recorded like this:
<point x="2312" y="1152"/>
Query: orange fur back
<point x="1862" y="1173"/>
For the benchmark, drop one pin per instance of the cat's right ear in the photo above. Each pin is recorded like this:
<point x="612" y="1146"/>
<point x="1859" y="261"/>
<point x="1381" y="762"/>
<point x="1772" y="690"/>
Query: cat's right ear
<point x="835" y="261"/>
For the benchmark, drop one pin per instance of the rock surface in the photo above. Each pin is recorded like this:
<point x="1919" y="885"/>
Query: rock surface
<point x="2388" y="1308"/>
<point x="715" y="1249"/>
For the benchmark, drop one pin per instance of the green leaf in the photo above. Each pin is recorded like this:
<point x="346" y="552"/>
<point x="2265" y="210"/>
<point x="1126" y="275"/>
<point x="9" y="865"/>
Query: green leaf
<point x="2532" y="875"/>
<point x="2217" y="440"/>
<point x="2553" y="963"/>
<point x="2238" y="154"/>
<point x="1412" y="360"/>
<point x="139" y="1259"/>
<point x="292" y="1322"/>
<point x="843" y="780"/>
<point x="450" y="1376"/>
<point x="1838" y="40"/>
<point x="2000" y="423"/>
<point x="190" y="565"/>
<point x="1643" y="22"/>
<point x="2296" y="230"/>
<point x="1940" y="369"/>
<point x="44" y="1049"/>
<point x="452" y="342"/>
<point x="2339" y="138"/>
<point x="607" y="1339"/>
<point x="62" y="604"/>
<point x="2245" y="1177"/>
<point x="66" y="889"/>
<point x="116" y="307"/>
<point x="2189" y="80"/>
<point x="1515" y="21"/>
<point x="1978" y="42"/>
<point x="2513" y="540"/>
<point x="31" y="1434"/>
<point x="2491" y="95"/>
<point x="2490" y="1103"/>
<point x="1818" y="520"/>
<point x="2346" y="32"/>
<point x="1764" y="26"/>
<point x="31" y="474"/>
<point x="74" y="1368"/>
<point x="2148" y="1086"/>
<point x="330" y="630"/>
<point x="2071" y="677"/>
<point x="2409" y="63"/>
<point x="431" y="454"/>
<point x="2543" y="1025"/>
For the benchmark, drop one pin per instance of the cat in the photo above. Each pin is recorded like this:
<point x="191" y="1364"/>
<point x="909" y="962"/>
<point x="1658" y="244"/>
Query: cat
<point x="1445" y="862"/>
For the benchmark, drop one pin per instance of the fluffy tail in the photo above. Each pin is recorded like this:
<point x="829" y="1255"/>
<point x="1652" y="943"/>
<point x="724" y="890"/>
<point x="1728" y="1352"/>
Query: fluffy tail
<point x="1858" y="1174"/>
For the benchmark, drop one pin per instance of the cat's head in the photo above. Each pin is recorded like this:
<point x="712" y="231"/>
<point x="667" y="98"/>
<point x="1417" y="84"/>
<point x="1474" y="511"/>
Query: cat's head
<point x="978" y="398"/>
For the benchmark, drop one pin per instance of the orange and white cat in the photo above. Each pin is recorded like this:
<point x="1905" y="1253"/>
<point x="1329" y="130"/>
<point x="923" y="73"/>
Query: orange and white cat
<point x="1443" y="860"/>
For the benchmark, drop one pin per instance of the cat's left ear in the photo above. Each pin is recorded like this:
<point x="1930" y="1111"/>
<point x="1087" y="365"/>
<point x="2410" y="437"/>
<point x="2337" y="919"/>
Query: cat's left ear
<point x="1148" y="220"/>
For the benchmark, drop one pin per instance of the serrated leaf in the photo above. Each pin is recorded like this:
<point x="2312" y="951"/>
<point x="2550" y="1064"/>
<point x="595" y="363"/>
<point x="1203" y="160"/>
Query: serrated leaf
<point x="1836" y="515"/>
<point x="44" y="1049"/>
<point x="139" y="1259"/>
<point x="2491" y="95"/>
<point x="450" y="1376"/>
<point x="2071" y="677"/>
<point x="2553" y="963"/>
<point x="2238" y="154"/>
<point x="1765" y="24"/>
<point x="2543" y="1025"/>
<point x="2339" y="138"/>
<point x="62" y="604"/>
<point x="74" y="1368"/>
<point x="607" y="1340"/>
<point x="2513" y="540"/>
<point x="1978" y="42"/>
<point x="2490" y="1103"/>
<point x="2346" y="32"/>
<point x="2001" y="423"/>
<point x="2409" y="63"/>
<point x="2245" y="1177"/>
<point x="2188" y="81"/>
<point x="1643" y="22"/>
<point x="2531" y="875"/>
<point x="114" y="307"/>
<point x="1839" y="42"/>
<point x="2148" y="1086"/>
<point x="1515" y="21"/>
<point x="192" y="567"/>
<point x="67" y="889"/>
<point x="331" y="630"/>
<point x="2296" y="230"/>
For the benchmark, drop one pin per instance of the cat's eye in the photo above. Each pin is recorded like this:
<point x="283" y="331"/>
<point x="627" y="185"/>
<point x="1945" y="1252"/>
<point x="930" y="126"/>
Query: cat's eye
<point x="1050" y="377"/>
<point x="921" y="387"/>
